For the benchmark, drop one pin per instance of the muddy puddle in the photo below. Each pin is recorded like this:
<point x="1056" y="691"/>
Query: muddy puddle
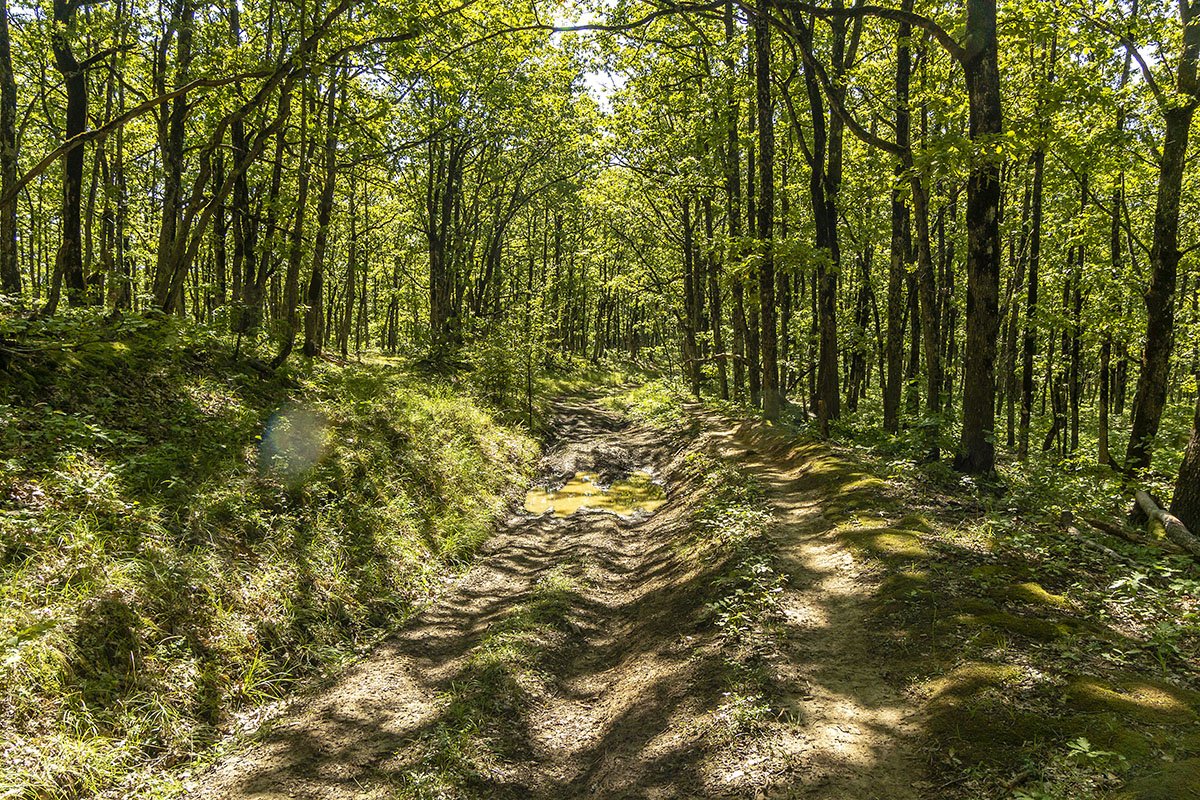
<point x="633" y="494"/>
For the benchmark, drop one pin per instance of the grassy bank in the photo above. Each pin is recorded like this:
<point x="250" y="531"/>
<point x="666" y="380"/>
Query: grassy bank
<point x="182" y="539"/>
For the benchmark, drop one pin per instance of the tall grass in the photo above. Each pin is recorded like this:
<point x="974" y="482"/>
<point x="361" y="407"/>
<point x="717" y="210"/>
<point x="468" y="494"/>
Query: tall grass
<point x="182" y="540"/>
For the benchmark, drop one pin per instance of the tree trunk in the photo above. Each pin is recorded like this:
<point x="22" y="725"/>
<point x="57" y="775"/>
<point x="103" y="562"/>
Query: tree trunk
<point x="733" y="213"/>
<point x="714" y="302"/>
<point x="772" y="401"/>
<point x="900" y="236"/>
<point x="171" y="143"/>
<point x="291" y="289"/>
<point x="314" y="315"/>
<point x="10" y="271"/>
<point x="1151" y="395"/>
<point x="977" y="447"/>
<point x="68" y="268"/>
<point x="1185" y="503"/>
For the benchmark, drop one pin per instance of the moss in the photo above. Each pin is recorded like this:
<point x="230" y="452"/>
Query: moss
<point x="1111" y="733"/>
<point x="916" y="522"/>
<point x="1034" y="594"/>
<point x="1178" y="781"/>
<point x="864" y="483"/>
<point x="887" y="542"/>
<point x="971" y="710"/>
<point x="902" y="588"/>
<point x="970" y="679"/>
<point x="1030" y="627"/>
<point x="1137" y="698"/>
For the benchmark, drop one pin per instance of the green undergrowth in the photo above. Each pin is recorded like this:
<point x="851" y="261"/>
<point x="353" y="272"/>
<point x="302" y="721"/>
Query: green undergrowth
<point x="655" y="402"/>
<point x="729" y="533"/>
<point x="1043" y="664"/>
<point x="182" y="539"/>
<point x="481" y="725"/>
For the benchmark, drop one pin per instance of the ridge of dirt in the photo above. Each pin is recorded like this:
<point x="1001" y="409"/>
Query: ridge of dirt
<point x="617" y="689"/>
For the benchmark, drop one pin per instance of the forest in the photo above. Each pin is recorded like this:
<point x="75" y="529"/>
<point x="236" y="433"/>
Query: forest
<point x="889" y="300"/>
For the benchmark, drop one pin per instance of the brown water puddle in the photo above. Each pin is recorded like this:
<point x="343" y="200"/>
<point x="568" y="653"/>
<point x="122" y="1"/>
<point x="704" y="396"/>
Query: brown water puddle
<point x="638" y="492"/>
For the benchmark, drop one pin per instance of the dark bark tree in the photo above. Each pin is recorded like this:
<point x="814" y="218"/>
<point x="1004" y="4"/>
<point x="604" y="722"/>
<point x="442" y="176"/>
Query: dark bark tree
<point x="1178" y="110"/>
<point x="772" y="400"/>
<point x="1029" y="336"/>
<point x="977" y="447"/>
<point x="68" y="267"/>
<point x="10" y="270"/>
<point x="733" y="213"/>
<point x="899" y="236"/>
<point x="1185" y="503"/>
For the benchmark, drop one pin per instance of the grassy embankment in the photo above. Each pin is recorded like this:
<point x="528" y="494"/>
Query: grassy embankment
<point x="182" y="540"/>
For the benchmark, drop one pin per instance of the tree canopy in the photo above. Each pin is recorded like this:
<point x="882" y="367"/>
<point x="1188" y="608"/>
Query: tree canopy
<point x="956" y="220"/>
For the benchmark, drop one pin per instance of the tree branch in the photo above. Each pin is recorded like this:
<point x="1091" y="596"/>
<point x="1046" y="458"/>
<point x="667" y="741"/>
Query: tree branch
<point x="935" y="30"/>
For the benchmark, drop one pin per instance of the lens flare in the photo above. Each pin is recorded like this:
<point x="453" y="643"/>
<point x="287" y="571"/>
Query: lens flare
<point x="292" y="442"/>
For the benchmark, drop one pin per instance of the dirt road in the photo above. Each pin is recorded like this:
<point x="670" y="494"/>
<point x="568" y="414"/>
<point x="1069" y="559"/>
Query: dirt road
<point x="576" y="660"/>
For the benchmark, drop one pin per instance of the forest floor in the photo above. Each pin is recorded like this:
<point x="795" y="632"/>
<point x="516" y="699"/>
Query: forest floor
<point x="783" y="626"/>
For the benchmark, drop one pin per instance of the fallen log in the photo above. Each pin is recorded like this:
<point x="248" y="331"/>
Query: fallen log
<point x="1176" y="531"/>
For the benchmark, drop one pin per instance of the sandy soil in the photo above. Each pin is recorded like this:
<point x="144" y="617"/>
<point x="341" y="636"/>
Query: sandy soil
<point x="626" y="696"/>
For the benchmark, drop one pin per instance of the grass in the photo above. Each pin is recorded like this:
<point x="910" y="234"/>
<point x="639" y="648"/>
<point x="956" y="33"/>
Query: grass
<point x="182" y="541"/>
<point x="729" y="537"/>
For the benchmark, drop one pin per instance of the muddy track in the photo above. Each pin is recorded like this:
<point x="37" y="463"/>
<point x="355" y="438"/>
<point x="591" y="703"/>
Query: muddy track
<point x="615" y="697"/>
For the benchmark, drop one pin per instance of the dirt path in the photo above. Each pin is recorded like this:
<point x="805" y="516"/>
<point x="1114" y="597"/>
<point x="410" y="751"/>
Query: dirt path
<point x="854" y="729"/>
<point x="574" y="661"/>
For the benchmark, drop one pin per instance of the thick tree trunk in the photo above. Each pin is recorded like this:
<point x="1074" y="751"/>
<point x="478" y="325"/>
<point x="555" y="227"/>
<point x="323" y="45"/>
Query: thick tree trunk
<point x="900" y="236"/>
<point x="68" y="267"/>
<point x="1151" y="395"/>
<point x="171" y="143"/>
<point x="977" y="447"/>
<point x="1178" y="111"/>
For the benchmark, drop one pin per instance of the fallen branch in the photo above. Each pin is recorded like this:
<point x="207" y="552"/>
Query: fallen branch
<point x="1177" y="532"/>
<point x="1131" y="536"/>
<point x="1113" y="529"/>
<point x="1093" y="544"/>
